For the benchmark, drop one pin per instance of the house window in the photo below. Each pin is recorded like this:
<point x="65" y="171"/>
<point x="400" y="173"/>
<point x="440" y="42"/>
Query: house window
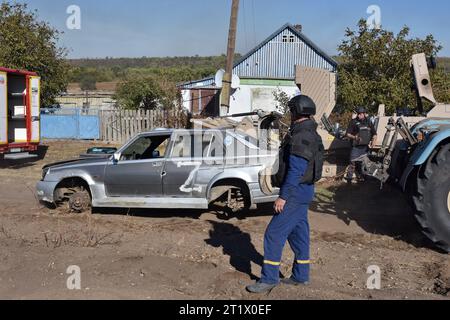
<point x="287" y="39"/>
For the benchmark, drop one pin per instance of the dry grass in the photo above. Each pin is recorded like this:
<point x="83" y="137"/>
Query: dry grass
<point x="88" y="235"/>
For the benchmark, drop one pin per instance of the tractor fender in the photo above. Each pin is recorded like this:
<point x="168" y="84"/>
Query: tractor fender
<point x="424" y="151"/>
<point x="405" y="176"/>
<point x="421" y="155"/>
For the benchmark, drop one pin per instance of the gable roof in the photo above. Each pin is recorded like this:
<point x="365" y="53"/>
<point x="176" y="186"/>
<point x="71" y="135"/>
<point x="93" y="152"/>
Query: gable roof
<point x="302" y="37"/>
<point x="267" y="60"/>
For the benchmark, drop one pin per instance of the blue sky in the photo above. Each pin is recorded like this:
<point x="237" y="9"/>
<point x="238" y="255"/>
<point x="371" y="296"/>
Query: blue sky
<point x="135" y="28"/>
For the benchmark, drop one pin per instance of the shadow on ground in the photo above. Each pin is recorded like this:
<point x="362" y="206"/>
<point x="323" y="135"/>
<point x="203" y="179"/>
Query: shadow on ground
<point x="262" y="211"/>
<point x="24" y="163"/>
<point x="237" y="245"/>
<point x="379" y="212"/>
<point x="385" y="212"/>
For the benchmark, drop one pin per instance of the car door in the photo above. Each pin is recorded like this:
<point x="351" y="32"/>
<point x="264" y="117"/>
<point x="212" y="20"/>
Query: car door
<point x="213" y="163"/>
<point x="189" y="160"/>
<point x="138" y="172"/>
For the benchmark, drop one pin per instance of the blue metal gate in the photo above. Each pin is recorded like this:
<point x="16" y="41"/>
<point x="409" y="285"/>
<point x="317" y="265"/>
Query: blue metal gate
<point x="70" y="124"/>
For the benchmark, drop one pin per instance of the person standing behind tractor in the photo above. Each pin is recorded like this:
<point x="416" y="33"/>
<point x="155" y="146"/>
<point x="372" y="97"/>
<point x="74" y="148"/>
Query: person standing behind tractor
<point x="363" y="135"/>
<point x="301" y="164"/>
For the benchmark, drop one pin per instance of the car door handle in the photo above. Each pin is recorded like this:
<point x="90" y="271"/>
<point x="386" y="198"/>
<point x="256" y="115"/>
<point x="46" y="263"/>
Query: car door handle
<point x="163" y="174"/>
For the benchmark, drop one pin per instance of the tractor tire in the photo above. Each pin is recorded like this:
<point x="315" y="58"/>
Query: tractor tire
<point x="432" y="199"/>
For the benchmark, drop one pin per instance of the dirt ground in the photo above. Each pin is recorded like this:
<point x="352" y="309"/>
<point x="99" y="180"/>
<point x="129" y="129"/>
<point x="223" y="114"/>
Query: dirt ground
<point x="185" y="254"/>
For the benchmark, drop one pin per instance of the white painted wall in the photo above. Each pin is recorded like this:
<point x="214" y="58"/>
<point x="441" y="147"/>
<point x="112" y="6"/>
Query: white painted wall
<point x="186" y="98"/>
<point x="248" y="98"/>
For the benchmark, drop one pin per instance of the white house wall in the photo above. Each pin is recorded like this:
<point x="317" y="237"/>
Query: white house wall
<point x="255" y="97"/>
<point x="248" y="98"/>
<point x="186" y="100"/>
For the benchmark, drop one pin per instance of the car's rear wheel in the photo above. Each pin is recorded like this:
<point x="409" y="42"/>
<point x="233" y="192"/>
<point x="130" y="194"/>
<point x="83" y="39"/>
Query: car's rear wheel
<point x="230" y="200"/>
<point x="237" y="201"/>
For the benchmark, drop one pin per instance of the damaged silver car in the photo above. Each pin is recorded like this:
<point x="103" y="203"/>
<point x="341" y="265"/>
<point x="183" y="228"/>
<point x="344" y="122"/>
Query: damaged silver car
<point x="165" y="169"/>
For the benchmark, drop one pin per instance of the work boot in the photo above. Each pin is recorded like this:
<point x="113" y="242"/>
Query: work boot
<point x="260" y="287"/>
<point x="293" y="282"/>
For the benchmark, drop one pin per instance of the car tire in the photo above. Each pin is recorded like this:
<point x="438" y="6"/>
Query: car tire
<point x="80" y="201"/>
<point x="234" y="203"/>
<point x="239" y="202"/>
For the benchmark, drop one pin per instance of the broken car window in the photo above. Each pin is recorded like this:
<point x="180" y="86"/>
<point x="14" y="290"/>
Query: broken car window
<point x="146" y="148"/>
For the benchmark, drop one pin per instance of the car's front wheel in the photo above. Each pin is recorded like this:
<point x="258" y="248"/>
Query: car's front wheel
<point x="80" y="201"/>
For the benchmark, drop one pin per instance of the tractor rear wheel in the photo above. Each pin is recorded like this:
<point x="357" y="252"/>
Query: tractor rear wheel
<point x="432" y="199"/>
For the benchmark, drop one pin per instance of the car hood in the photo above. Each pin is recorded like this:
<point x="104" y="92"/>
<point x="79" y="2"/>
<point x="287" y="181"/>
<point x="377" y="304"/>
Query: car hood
<point x="76" y="162"/>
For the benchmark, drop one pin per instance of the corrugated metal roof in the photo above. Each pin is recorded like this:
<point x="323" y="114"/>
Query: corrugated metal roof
<point x="207" y="82"/>
<point x="276" y="58"/>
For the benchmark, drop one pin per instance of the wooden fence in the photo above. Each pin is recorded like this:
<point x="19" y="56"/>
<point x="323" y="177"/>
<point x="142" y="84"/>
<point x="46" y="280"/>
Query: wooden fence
<point x="120" y="126"/>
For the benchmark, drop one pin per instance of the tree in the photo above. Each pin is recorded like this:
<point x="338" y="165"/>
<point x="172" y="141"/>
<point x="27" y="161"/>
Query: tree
<point x="30" y="44"/>
<point x="283" y="100"/>
<point x="88" y="83"/>
<point x="375" y="68"/>
<point x="440" y="79"/>
<point x="147" y="92"/>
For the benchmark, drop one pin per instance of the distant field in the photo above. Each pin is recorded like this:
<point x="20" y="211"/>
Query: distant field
<point x="177" y="69"/>
<point x="74" y="87"/>
<point x="107" y="72"/>
<point x="213" y="62"/>
<point x="146" y="62"/>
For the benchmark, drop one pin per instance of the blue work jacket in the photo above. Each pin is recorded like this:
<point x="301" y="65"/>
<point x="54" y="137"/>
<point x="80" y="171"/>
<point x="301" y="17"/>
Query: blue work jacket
<point x="292" y="189"/>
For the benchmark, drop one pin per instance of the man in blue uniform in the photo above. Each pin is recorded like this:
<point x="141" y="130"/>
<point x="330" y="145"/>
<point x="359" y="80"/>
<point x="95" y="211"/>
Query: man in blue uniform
<point x="303" y="160"/>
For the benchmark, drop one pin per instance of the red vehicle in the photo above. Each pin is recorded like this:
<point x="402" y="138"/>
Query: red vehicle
<point x="19" y="111"/>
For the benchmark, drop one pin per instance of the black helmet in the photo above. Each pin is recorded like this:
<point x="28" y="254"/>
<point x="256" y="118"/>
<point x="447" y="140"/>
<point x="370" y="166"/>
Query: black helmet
<point x="360" y="110"/>
<point x="302" y="106"/>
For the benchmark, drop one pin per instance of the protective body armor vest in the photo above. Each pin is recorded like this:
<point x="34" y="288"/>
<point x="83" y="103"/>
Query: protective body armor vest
<point x="302" y="141"/>
<point x="364" y="132"/>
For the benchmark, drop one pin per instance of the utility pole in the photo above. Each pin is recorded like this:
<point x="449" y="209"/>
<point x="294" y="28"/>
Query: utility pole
<point x="227" y="78"/>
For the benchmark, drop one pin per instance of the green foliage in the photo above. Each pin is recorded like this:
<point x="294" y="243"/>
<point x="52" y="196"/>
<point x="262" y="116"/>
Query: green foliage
<point x="444" y="63"/>
<point x="283" y="100"/>
<point x="374" y="68"/>
<point x="88" y="83"/>
<point x="148" y="83"/>
<point x="147" y="92"/>
<point x="30" y="44"/>
<point x="440" y="79"/>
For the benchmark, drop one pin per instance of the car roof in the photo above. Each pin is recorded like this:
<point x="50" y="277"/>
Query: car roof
<point x="240" y="136"/>
<point x="170" y="131"/>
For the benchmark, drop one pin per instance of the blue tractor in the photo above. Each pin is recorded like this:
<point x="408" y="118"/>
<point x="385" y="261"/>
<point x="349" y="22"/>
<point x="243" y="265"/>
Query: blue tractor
<point x="415" y="153"/>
